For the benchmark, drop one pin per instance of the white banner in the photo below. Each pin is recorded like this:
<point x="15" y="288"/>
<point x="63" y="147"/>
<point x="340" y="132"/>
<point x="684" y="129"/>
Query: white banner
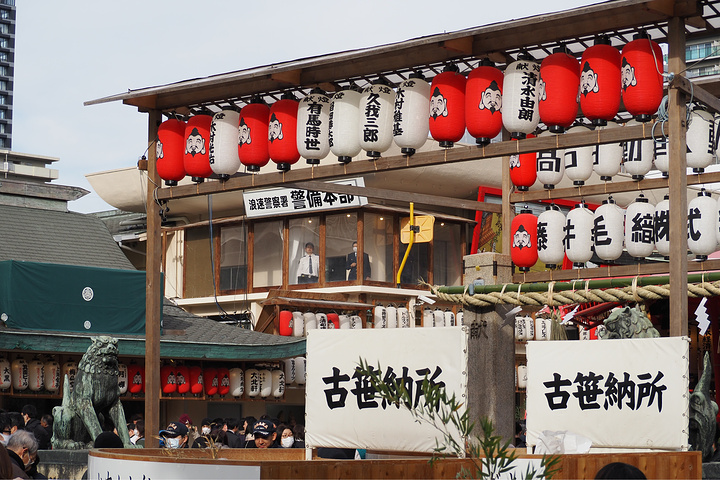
<point x="282" y="201"/>
<point x="101" y="467"/>
<point x="341" y="409"/>
<point x="618" y="393"/>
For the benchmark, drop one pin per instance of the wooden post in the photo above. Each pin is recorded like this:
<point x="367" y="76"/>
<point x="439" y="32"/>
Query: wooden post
<point x="677" y="183"/>
<point x="153" y="292"/>
<point x="508" y="210"/>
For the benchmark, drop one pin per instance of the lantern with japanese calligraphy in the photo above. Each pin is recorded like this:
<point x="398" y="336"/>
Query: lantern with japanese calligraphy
<point x="523" y="230"/>
<point x="35" y="375"/>
<point x="391" y="315"/>
<point x="579" y="160"/>
<point x="520" y="329"/>
<point x="300" y="370"/>
<point x="403" y="317"/>
<point x="169" y="151"/>
<point x="197" y="147"/>
<point x="410" y="116"/>
<point x="310" y="321"/>
<point x="459" y="317"/>
<point x="356" y="323"/>
<point x="223" y="381"/>
<point x="266" y="384"/>
<point x="51" y="371"/>
<point x="550" y="165"/>
<point x="428" y="318"/>
<point x="282" y="132"/>
<point x="252" y="382"/>
<point x="168" y="379"/>
<point x="702" y="225"/>
<point x="5" y="374"/>
<point x="600" y="81"/>
<point x="700" y="140"/>
<point x="439" y="318"/>
<point x="286" y="323"/>
<point x="639" y="228"/>
<point x="20" y="371"/>
<point x="522" y="376"/>
<point x="197" y="381"/>
<point x="609" y="230"/>
<point x="608" y="156"/>
<point x="136" y="378"/>
<point x="237" y="382"/>
<point x="578" y="235"/>
<point x="253" y="135"/>
<point x="379" y="316"/>
<point x="211" y="380"/>
<point x="122" y="378"/>
<point x="223" y="157"/>
<point x="298" y="324"/>
<point x="551" y="236"/>
<point x="69" y="370"/>
<point x="483" y="102"/>
<point x="313" y="129"/>
<point x="559" y="80"/>
<point x="584" y="333"/>
<point x="529" y="328"/>
<point x="377" y="104"/>
<point x="344" y="322"/>
<point x="322" y="320"/>
<point x="447" y="106"/>
<point x="523" y="169"/>
<point x="520" y="95"/>
<point x="543" y="327"/>
<point x="289" y="368"/>
<point x="661" y="226"/>
<point x="449" y="318"/>
<point x="182" y="378"/>
<point x="344" y="122"/>
<point x="333" y="320"/>
<point x="642" y="79"/>
<point x="638" y="155"/>
<point x="278" y="383"/>
<point x="662" y="161"/>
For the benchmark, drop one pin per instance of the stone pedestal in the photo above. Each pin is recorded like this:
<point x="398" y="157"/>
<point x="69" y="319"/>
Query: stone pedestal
<point x="491" y="354"/>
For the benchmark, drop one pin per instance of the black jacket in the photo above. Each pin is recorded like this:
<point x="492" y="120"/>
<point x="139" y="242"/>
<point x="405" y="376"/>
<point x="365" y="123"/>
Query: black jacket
<point x="33" y="426"/>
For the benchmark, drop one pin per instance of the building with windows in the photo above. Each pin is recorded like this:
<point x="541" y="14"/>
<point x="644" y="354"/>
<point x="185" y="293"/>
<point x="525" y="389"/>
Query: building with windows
<point x="7" y="70"/>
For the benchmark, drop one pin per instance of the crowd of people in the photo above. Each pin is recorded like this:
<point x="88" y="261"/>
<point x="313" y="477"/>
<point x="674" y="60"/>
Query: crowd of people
<point x="22" y="434"/>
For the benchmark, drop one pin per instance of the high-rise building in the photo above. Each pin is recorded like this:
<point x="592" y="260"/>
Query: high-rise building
<point x="7" y="70"/>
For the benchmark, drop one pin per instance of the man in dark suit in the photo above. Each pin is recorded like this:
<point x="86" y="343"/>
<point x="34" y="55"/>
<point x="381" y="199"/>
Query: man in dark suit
<point x="351" y="264"/>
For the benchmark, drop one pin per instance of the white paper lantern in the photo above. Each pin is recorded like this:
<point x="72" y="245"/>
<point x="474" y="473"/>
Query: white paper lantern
<point x="289" y="366"/>
<point x="36" y="375"/>
<point x="550" y="165"/>
<point x="391" y="315"/>
<point x="702" y="225"/>
<point x="662" y="161"/>
<point x="51" y="374"/>
<point x="521" y="96"/>
<point x="310" y="321"/>
<point x="266" y="383"/>
<point x="313" y="127"/>
<point x="578" y="235"/>
<point x="609" y="230"/>
<point x="403" y="317"/>
<point x="449" y="318"/>
<point x="377" y="104"/>
<point x="344" y="321"/>
<point x="252" y="382"/>
<point x="583" y="333"/>
<point x="522" y="376"/>
<point x="278" y="383"/>
<point x="298" y="324"/>
<point x="5" y="374"/>
<point x="428" y="318"/>
<point x="608" y="156"/>
<point x="122" y="378"/>
<point x="638" y="155"/>
<point x="460" y="317"/>
<point x="379" y="316"/>
<point x="640" y="228"/>
<point x="300" y="370"/>
<point x="520" y="334"/>
<point x="542" y="328"/>
<point x="700" y="138"/>
<point x="237" y="382"/>
<point x="69" y="370"/>
<point x="223" y="152"/>
<point x="579" y="160"/>
<point x="661" y="226"/>
<point x="411" y="113"/>
<point x="439" y="319"/>
<point x="322" y="321"/>
<point x="344" y="123"/>
<point x="356" y="322"/>
<point x="529" y="328"/>
<point x="551" y="236"/>
<point x="20" y="372"/>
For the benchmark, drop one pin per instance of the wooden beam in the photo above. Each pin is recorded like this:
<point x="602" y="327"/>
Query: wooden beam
<point x="696" y="92"/>
<point x="291" y="77"/>
<point x="462" y="45"/>
<point x="508" y="211"/>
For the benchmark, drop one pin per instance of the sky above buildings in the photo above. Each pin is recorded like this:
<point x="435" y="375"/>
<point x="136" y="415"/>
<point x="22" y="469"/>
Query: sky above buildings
<point x="69" y="52"/>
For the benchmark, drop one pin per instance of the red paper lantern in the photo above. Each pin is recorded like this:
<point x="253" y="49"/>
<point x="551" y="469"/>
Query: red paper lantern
<point x="483" y="102"/>
<point x="286" y="323"/>
<point x="600" y="81"/>
<point x="282" y="132"/>
<point x="168" y="380"/>
<point x="224" y="381"/>
<point x="523" y="251"/>
<point x="196" y="380"/>
<point x="211" y="380"/>
<point x="560" y="79"/>
<point x="253" y="135"/>
<point x="197" y="147"/>
<point x="333" y="320"/>
<point x="170" y="151"/>
<point x="447" y="106"/>
<point x="182" y="379"/>
<point x="523" y="169"/>
<point x="136" y="378"/>
<point x="642" y="80"/>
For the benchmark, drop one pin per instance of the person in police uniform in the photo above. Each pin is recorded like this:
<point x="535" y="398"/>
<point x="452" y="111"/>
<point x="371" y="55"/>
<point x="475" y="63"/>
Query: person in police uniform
<point x="309" y="265"/>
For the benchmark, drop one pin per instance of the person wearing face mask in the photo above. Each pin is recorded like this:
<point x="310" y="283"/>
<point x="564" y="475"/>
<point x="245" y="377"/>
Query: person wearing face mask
<point x="21" y="447"/>
<point x="139" y="434"/>
<point x="351" y="264"/>
<point x="175" y="435"/>
<point x="205" y="430"/>
<point x="287" y="438"/>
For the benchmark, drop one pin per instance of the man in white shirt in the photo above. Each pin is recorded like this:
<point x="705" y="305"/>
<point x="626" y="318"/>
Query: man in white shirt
<point x="309" y="265"/>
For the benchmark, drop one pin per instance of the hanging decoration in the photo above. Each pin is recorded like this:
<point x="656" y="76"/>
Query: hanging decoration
<point x="333" y="320"/>
<point x="313" y="129"/>
<point x="237" y="382"/>
<point x="523" y="230"/>
<point x="286" y="323"/>
<point x="344" y="123"/>
<point x="122" y="378"/>
<point x="252" y="382"/>
<point x="447" y="106"/>
<point x="36" y="375"/>
<point x="51" y="371"/>
<point x="700" y="138"/>
<point x="600" y="81"/>
<point x="197" y="382"/>
<point x="559" y="83"/>
<point x="298" y="324"/>
<point x="579" y="160"/>
<point x="20" y="374"/>
<point x="428" y="318"/>
<point x="182" y="378"/>
<point x="483" y="102"/>
<point x="266" y="384"/>
<point x="609" y="230"/>
<point x="578" y="235"/>
<point x="136" y="374"/>
<point x="168" y="379"/>
<point x="197" y="142"/>
<point x="310" y="320"/>
<point x="224" y="381"/>
<point x="702" y="225"/>
<point x="391" y="315"/>
<point x="322" y="321"/>
<point x="523" y="169"/>
<point x="551" y="236"/>
<point x="608" y="156"/>
<point x="356" y="323"/>
<point x="278" y="383"/>
<point x="550" y="165"/>
<point x="439" y="320"/>
<point x="403" y="317"/>
<point x="5" y="374"/>
<point x="638" y="155"/>
<point x="69" y="370"/>
<point x="521" y="96"/>
<point x="380" y="316"/>
<point x="211" y="380"/>
<point x="300" y="370"/>
<point x="449" y="318"/>
<point x="661" y="226"/>
<point x="289" y="366"/>
<point x="344" y="321"/>
<point x="253" y="135"/>
<point x="640" y="228"/>
<point x="169" y="151"/>
<point x="377" y="104"/>
<point x="223" y="156"/>
<point x="642" y="77"/>
<point x="411" y="113"/>
<point x="282" y="132"/>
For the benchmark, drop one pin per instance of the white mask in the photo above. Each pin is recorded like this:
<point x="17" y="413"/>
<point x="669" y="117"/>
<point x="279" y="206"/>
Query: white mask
<point x="173" y="442"/>
<point x="205" y="430"/>
<point x="355" y="249"/>
<point x="287" y="442"/>
<point x="134" y="438"/>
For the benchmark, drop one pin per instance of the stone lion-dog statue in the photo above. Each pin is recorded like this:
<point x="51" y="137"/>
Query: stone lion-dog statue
<point x="94" y="397"/>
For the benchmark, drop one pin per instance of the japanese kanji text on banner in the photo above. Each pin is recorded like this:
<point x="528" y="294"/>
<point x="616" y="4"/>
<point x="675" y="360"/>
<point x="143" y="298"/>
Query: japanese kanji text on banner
<point x="342" y="410"/>
<point x="618" y="393"/>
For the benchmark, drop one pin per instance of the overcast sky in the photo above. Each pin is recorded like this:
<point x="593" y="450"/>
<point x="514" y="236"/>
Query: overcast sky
<point x="77" y="50"/>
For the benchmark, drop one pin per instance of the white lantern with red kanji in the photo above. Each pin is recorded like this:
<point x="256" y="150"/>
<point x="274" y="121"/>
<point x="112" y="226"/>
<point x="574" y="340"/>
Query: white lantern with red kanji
<point x="313" y="127"/>
<point x="661" y="226"/>
<point x="640" y="228"/>
<point x="377" y="104"/>
<point x="36" y="375"/>
<point x="550" y="165"/>
<point x="521" y="96"/>
<point x="20" y="372"/>
<point x="278" y="383"/>
<point x="609" y="230"/>
<point x="702" y="225"/>
<point x="700" y="138"/>
<point x="579" y="160"/>
<point x="551" y="236"/>
<point x="344" y="123"/>
<point x="252" y="382"/>
<point x="51" y="374"/>
<point x="223" y="153"/>
<point x="237" y="382"/>
<point x="5" y="374"/>
<point x="578" y="235"/>
<point x="608" y="156"/>
<point x="411" y="113"/>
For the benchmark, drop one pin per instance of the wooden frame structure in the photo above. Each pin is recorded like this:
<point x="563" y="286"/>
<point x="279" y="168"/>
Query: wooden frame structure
<point x="670" y="21"/>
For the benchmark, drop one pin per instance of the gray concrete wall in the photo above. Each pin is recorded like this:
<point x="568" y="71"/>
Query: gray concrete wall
<point x="65" y="464"/>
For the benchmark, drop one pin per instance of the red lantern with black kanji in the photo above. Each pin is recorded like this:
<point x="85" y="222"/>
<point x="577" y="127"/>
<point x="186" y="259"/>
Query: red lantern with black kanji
<point x="286" y="323"/>
<point x="333" y="320"/>
<point x="600" y="81"/>
<point x="211" y="381"/>
<point x="483" y="102"/>
<point x="282" y="132"/>
<point x="168" y="380"/>
<point x="197" y="147"/>
<point x="523" y="250"/>
<point x="196" y="380"/>
<point x="253" y="135"/>
<point x="523" y="169"/>
<point x="560" y="79"/>
<point x="170" y="151"/>
<point x="136" y="378"/>
<point x="182" y="379"/>
<point x="642" y="80"/>
<point x="447" y="106"/>
<point x="224" y="381"/>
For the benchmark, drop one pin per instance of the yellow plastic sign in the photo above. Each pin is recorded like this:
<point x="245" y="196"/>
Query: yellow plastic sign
<point x="425" y="223"/>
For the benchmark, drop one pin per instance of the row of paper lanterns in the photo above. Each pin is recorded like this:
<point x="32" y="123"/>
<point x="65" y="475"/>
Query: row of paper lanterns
<point x="297" y="324"/>
<point x="641" y="228"/>
<point x="440" y="318"/>
<point x="34" y="375"/>
<point x="539" y="328"/>
<point x="371" y="120"/>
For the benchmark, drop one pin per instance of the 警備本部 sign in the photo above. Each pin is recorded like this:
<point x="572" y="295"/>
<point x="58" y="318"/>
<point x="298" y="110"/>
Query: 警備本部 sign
<point x="282" y="201"/>
<point x="342" y="408"/>
<point x="630" y="393"/>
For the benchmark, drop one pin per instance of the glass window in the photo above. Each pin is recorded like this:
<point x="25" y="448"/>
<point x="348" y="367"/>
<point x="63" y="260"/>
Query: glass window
<point x="233" y="258"/>
<point x="378" y="236"/>
<point x="340" y="234"/>
<point x="447" y="254"/>
<point x="303" y="264"/>
<point x="198" y="263"/>
<point x="417" y="264"/>
<point x="267" y="253"/>
<point x="4" y="14"/>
